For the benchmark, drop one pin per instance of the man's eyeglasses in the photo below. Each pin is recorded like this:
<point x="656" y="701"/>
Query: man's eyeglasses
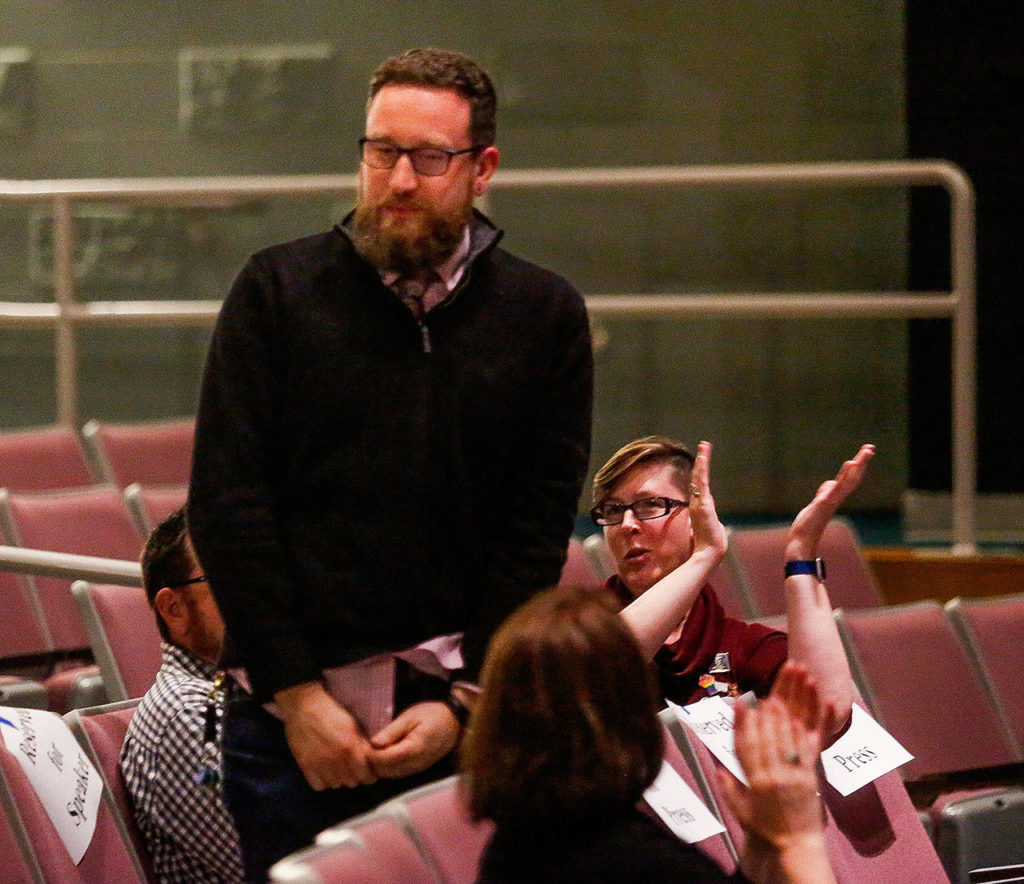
<point x="429" y="161"/>
<point x="200" y="579"/>
<point x="644" y="509"/>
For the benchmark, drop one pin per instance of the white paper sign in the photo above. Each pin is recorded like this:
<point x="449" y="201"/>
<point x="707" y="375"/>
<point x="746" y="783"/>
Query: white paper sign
<point x="862" y="754"/>
<point x="711" y="719"/>
<point x="678" y="805"/>
<point x="62" y="775"/>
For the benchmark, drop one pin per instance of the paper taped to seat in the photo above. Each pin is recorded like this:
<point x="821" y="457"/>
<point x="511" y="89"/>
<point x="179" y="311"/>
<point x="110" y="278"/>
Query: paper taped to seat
<point x="67" y="783"/>
<point x="678" y="805"/>
<point x="861" y="755"/>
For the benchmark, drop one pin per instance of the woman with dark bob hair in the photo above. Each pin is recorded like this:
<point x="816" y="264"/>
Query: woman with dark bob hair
<point x="565" y="738"/>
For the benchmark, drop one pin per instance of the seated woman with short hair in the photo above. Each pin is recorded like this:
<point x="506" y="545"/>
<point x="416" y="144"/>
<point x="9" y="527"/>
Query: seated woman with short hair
<point x="653" y="500"/>
<point x="565" y="739"/>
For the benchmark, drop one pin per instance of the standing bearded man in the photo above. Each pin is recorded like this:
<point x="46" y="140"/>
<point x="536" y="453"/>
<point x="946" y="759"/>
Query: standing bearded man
<point x="392" y="436"/>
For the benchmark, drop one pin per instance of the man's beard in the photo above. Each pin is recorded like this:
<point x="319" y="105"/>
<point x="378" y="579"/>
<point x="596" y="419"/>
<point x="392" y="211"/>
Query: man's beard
<point x="407" y="246"/>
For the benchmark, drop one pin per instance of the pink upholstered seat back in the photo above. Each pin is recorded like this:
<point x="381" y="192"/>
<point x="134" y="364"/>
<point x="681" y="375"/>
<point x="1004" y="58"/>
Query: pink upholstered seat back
<point x="93" y="522"/>
<point x="18" y="859"/>
<point x="993" y="628"/>
<point x="757" y="556"/>
<point x="124" y="637"/>
<point x="920" y="684"/>
<point x="151" y="504"/>
<point x="577" y="571"/>
<point x="876" y="835"/>
<point x="43" y="459"/>
<point x="102" y="730"/>
<point x="721" y="848"/>
<point x="445" y="831"/>
<point x="107" y="858"/>
<point x="373" y="849"/>
<point x="22" y="628"/>
<point x="157" y="453"/>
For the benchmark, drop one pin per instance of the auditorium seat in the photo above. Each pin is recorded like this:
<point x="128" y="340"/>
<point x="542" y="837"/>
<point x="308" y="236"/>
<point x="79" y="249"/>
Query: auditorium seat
<point x="993" y="629"/>
<point x="680" y="755"/>
<point x="757" y="556"/>
<point x="371" y="849"/>
<point x="19" y="860"/>
<point x="23" y="629"/>
<point x="100" y="731"/>
<point x="350" y="861"/>
<point x="151" y="504"/>
<point x="876" y="834"/>
<point x="705" y="773"/>
<point x="34" y="675"/>
<point x="93" y="522"/>
<point x="985" y="829"/>
<point x="577" y="572"/>
<point x="436" y="819"/>
<point x="43" y="459"/>
<point x="872" y="835"/>
<point x="123" y="635"/>
<point x="601" y="561"/>
<point x="920" y="683"/>
<point x="151" y="453"/>
<point x="730" y="591"/>
<point x="107" y="858"/>
<point x="37" y="673"/>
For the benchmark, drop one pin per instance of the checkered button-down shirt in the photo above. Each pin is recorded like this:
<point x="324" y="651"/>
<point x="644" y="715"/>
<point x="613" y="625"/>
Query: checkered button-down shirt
<point x="189" y="832"/>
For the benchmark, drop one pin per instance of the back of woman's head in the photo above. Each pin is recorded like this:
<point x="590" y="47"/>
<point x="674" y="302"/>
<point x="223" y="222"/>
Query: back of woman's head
<point x="566" y="726"/>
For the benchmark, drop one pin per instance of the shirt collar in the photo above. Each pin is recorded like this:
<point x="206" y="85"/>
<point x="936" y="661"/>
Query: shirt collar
<point x="451" y="270"/>
<point x="178" y="656"/>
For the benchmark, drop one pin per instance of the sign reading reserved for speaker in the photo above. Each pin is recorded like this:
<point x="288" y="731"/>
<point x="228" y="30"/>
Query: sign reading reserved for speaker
<point x="61" y="774"/>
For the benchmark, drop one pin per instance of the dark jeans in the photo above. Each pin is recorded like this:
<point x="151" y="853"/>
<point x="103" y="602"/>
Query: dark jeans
<point x="275" y="810"/>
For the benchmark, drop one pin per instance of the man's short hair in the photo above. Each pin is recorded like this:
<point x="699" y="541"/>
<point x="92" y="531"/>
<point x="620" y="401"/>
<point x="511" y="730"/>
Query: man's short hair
<point x="566" y="727"/>
<point x="649" y="449"/>
<point x="167" y="559"/>
<point x="444" y="69"/>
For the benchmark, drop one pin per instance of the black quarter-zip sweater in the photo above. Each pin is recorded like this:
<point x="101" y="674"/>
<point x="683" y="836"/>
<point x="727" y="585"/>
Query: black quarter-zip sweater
<point x="361" y="483"/>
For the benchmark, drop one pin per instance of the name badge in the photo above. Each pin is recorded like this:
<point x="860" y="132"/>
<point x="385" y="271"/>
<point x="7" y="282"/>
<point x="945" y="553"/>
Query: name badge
<point x="862" y="754"/>
<point x="63" y="777"/>
<point x="679" y="807"/>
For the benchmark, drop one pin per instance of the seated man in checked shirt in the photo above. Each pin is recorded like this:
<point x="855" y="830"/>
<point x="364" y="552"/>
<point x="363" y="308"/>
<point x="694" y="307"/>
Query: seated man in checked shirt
<point x="171" y="753"/>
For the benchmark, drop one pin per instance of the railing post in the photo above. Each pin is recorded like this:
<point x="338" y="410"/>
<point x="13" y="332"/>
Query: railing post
<point x="65" y="334"/>
<point x="965" y="457"/>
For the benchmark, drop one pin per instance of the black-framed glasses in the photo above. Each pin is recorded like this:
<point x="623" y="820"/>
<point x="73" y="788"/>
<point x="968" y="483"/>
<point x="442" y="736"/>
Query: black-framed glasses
<point x="645" y="508"/>
<point x="192" y="580"/>
<point x="430" y="161"/>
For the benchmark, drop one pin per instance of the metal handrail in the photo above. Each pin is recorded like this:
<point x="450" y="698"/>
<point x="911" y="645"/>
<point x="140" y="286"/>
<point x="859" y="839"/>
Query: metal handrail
<point x="958" y="304"/>
<point x="42" y="563"/>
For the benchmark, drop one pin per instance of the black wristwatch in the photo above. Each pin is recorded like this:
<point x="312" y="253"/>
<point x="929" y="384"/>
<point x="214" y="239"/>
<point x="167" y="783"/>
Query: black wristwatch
<point x="807" y="566"/>
<point x="459" y="709"/>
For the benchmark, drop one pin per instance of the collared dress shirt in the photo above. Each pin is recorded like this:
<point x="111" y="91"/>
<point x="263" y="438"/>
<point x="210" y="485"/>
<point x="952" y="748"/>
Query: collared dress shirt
<point x="188" y="831"/>
<point x="446" y="276"/>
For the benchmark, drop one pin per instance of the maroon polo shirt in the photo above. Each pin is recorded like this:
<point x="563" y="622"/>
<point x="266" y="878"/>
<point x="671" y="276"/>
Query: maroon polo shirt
<point x="755" y="652"/>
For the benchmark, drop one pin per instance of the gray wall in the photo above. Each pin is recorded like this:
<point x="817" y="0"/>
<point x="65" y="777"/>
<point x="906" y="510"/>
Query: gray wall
<point x="601" y="83"/>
